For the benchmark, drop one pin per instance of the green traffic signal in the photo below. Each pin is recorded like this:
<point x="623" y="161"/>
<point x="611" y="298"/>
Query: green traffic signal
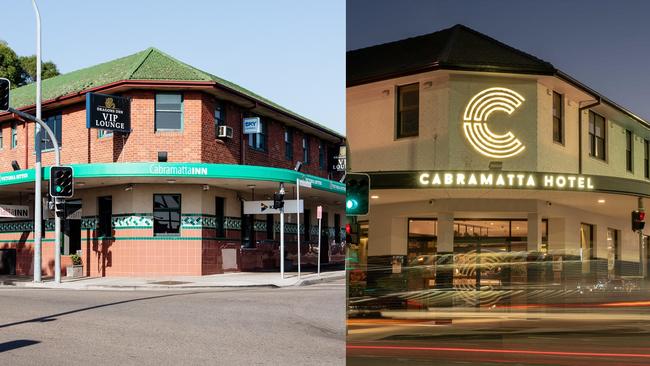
<point x="61" y="182"/>
<point x="358" y="193"/>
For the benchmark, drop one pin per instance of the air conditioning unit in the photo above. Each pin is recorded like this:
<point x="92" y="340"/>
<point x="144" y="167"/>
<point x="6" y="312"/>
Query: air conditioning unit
<point x="224" y="131"/>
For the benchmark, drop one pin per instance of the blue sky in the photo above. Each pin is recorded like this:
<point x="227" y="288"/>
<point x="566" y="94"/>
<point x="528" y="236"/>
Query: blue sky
<point x="604" y="44"/>
<point x="289" y="51"/>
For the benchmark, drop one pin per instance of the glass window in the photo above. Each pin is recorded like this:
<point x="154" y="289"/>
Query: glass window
<point x="105" y="211"/>
<point x="646" y="158"/>
<point x="14" y="135"/>
<point x="628" y="150"/>
<point x="337" y="228"/>
<point x="269" y="227"/>
<point x="166" y="214"/>
<point x="558" y="121"/>
<point x="321" y="155"/>
<point x="219" y="216"/>
<point x="597" y="136"/>
<point x="305" y="150"/>
<point x="586" y="242"/>
<point x="258" y="140"/>
<point x="169" y="111"/>
<point x="54" y="123"/>
<point x="288" y="144"/>
<point x="408" y="110"/>
<point x="307" y="224"/>
<point x="104" y="133"/>
<point x="219" y="116"/>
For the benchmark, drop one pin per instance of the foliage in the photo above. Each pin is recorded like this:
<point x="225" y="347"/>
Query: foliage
<point x="21" y="70"/>
<point x="76" y="260"/>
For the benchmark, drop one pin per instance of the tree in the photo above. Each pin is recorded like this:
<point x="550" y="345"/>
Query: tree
<point x="10" y="67"/>
<point x="21" y="70"/>
<point x="28" y="64"/>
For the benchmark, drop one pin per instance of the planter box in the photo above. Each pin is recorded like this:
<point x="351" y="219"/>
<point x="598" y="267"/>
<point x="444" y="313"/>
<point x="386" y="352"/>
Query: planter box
<point x="75" y="271"/>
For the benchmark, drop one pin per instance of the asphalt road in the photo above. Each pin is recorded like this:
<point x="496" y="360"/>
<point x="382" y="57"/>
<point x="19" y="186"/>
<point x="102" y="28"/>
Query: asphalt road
<point x="251" y="326"/>
<point x="585" y="336"/>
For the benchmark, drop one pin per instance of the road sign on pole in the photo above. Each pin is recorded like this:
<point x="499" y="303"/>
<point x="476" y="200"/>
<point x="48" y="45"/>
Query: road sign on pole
<point x="266" y="207"/>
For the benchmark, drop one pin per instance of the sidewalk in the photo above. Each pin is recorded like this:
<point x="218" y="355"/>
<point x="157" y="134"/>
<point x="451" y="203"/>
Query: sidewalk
<point x="237" y="279"/>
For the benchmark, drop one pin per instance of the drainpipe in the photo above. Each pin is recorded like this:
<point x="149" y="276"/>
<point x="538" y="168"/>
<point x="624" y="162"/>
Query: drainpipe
<point x="580" y="109"/>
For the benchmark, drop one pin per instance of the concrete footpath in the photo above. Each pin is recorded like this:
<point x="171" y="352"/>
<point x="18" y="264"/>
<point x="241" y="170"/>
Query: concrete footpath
<point x="238" y="279"/>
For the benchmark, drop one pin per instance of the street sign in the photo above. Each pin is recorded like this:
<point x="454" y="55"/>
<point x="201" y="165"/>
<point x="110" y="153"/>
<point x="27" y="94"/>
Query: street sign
<point x="108" y="112"/>
<point x="319" y="212"/>
<point x="266" y="207"/>
<point x="304" y="183"/>
<point x="252" y="125"/>
<point x="5" y="85"/>
<point x="14" y="212"/>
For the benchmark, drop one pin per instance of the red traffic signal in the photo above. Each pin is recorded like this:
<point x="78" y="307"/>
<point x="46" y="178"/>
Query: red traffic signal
<point x="638" y="220"/>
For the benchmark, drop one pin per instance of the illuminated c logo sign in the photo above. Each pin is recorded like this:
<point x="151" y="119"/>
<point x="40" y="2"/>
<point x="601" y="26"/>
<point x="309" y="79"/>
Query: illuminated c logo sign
<point x="477" y="131"/>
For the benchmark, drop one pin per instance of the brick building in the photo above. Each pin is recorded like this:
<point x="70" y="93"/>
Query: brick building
<point x="168" y="197"/>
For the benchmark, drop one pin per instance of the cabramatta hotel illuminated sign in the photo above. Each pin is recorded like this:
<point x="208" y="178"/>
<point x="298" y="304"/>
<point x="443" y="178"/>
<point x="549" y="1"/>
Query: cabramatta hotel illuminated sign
<point x="518" y="180"/>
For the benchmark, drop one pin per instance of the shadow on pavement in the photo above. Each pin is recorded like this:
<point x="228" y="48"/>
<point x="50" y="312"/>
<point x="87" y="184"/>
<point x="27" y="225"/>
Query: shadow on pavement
<point x="18" y="343"/>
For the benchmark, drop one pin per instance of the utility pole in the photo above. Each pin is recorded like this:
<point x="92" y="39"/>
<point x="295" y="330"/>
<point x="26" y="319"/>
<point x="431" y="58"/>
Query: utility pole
<point x="38" y="171"/>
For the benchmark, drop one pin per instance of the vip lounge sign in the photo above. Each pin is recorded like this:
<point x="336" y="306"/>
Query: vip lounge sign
<point x="108" y="112"/>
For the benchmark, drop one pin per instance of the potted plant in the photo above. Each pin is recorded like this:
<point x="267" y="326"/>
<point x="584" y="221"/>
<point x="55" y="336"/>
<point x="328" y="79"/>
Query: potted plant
<point x="76" y="269"/>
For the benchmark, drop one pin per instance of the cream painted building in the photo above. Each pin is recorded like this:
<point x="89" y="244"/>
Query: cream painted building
<point x="477" y="149"/>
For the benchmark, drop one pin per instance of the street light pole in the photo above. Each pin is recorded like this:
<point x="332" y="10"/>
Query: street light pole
<point x="38" y="200"/>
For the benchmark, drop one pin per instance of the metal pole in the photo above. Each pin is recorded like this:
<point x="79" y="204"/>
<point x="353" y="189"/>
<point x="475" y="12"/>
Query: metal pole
<point x="319" y="252"/>
<point x="282" y="235"/>
<point x="643" y="250"/>
<point x="57" y="222"/>
<point x="282" y="243"/>
<point x="38" y="210"/>
<point x="298" y="221"/>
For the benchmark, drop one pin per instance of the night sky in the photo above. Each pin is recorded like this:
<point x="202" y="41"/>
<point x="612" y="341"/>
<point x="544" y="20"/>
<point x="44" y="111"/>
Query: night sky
<point x="603" y="44"/>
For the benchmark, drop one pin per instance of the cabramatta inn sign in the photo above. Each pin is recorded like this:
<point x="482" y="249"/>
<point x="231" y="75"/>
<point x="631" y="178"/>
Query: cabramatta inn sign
<point x="108" y="112"/>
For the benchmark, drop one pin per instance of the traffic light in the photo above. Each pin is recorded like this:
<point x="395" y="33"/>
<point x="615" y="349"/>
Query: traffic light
<point x="352" y="233"/>
<point x="4" y="94"/>
<point x="61" y="182"/>
<point x="59" y="208"/>
<point x="278" y="200"/>
<point x="638" y="220"/>
<point x="357" y="191"/>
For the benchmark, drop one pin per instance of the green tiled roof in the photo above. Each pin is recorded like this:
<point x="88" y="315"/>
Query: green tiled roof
<point x="150" y="64"/>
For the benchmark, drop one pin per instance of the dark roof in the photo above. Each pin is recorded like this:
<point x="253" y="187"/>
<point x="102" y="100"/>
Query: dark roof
<point x="149" y="64"/>
<point x="457" y="47"/>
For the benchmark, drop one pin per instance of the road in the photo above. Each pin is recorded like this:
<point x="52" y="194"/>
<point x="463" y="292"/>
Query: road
<point x="584" y="336"/>
<point x="243" y="326"/>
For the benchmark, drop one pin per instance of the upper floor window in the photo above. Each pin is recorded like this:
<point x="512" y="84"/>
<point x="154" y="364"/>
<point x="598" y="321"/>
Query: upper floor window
<point x="14" y="135"/>
<point x="258" y="140"/>
<point x="54" y="123"/>
<point x="219" y="115"/>
<point x="288" y="144"/>
<point x="166" y="214"/>
<point x="646" y="158"/>
<point x="408" y="110"/>
<point x="597" y="136"/>
<point x="169" y="112"/>
<point x="558" y="120"/>
<point x="305" y="150"/>
<point x="628" y="150"/>
<point x="321" y="155"/>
